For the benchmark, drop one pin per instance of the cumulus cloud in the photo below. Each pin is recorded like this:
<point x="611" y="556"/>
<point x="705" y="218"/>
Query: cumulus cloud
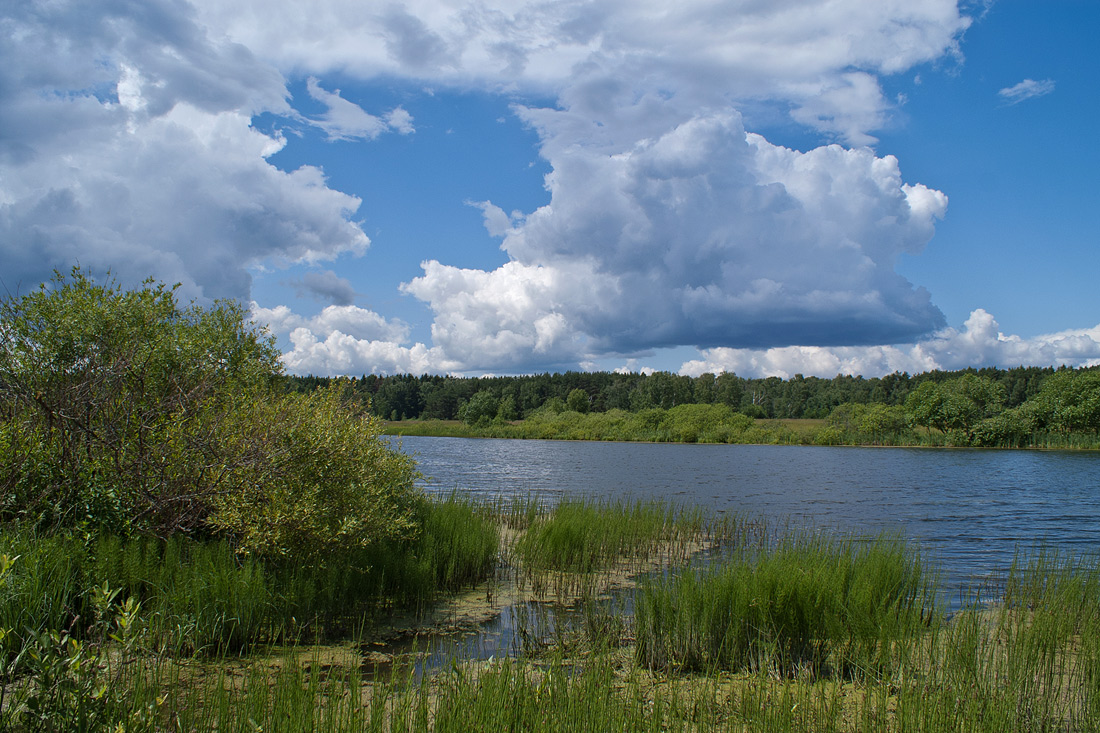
<point x="338" y="354"/>
<point x="1027" y="89"/>
<point x="349" y="340"/>
<point x="501" y="317"/>
<point x="668" y="224"/>
<point x="701" y="235"/>
<point x="400" y="121"/>
<point x="978" y="343"/>
<point x="128" y="147"/>
<point x="350" y="320"/>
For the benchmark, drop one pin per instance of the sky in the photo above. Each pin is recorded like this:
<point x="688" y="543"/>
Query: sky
<point x="473" y="187"/>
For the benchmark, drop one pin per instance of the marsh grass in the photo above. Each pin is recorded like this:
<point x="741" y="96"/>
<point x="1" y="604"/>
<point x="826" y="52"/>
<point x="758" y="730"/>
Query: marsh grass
<point x="810" y="604"/>
<point x="577" y="546"/>
<point x="584" y="536"/>
<point x="774" y="630"/>
<point x="41" y="589"/>
<point x="202" y="598"/>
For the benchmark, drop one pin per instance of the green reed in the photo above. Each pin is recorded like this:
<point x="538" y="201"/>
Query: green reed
<point x="584" y="536"/>
<point x="203" y="597"/>
<point x="791" y="631"/>
<point x="812" y="603"/>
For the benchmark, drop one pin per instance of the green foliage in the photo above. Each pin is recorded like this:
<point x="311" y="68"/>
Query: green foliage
<point x="705" y="424"/>
<point x="867" y="423"/>
<point x="1012" y="428"/>
<point x="435" y="397"/>
<point x="111" y="389"/>
<point x="315" y="480"/>
<point x="577" y="401"/>
<point x="1069" y="401"/>
<point x="507" y="410"/>
<point x="122" y="412"/>
<point x="66" y="680"/>
<point x="481" y="408"/>
<point x="956" y="406"/>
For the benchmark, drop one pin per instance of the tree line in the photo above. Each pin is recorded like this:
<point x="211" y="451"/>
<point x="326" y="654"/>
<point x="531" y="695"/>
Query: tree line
<point x="480" y="399"/>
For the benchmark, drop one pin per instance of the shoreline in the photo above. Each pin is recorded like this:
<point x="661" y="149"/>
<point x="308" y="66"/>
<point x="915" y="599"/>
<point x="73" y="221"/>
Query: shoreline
<point x="791" y="432"/>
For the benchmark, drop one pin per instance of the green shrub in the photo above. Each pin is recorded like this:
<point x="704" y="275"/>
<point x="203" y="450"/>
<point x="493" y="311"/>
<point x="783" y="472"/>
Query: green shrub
<point x="122" y="412"/>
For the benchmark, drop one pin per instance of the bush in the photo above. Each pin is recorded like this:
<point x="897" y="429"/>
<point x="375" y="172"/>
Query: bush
<point x="121" y="411"/>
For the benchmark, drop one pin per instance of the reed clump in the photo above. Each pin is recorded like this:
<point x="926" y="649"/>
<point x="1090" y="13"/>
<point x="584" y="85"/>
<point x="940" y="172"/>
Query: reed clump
<point x="582" y="536"/>
<point x="809" y="604"/>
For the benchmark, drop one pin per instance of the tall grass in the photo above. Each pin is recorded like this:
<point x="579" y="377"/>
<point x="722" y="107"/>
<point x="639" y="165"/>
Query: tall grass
<point x="583" y="536"/>
<point x="802" y="631"/>
<point x="202" y="597"/>
<point x="1027" y="659"/>
<point x="457" y="546"/>
<point x="811" y="604"/>
<point x="41" y="589"/>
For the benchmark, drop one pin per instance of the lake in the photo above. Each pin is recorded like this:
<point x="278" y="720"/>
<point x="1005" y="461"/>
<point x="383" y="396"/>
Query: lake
<point x="970" y="509"/>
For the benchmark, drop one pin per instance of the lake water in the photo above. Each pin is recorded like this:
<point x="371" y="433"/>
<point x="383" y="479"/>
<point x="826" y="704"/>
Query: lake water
<point x="970" y="509"/>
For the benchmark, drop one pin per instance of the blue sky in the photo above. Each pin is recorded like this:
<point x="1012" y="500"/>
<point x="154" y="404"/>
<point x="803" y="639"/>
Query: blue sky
<point x="507" y="187"/>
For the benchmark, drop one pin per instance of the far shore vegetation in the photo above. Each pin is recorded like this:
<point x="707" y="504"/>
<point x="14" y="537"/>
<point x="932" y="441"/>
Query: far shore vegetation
<point x="1026" y="407"/>
<point x="187" y="545"/>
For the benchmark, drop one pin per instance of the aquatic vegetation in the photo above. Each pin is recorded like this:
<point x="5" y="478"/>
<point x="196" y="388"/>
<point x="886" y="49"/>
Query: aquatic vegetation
<point x="812" y="604"/>
<point x="579" y="536"/>
<point x="777" y="630"/>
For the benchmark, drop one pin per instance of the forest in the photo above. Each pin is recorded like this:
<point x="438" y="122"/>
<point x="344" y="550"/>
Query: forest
<point x="435" y="397"/>
<point x="1019" y="407"/>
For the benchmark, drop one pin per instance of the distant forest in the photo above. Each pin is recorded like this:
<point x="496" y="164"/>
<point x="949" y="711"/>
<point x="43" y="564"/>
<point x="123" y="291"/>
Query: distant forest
<point x="434" y="397"/>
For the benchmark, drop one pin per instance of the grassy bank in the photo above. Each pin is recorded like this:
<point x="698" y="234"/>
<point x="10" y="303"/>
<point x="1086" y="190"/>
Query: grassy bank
<point x="734" y="626"/>
<point x="710" y="424"/>
<point x="202" y="598"/>
<point x="684" y="424"/>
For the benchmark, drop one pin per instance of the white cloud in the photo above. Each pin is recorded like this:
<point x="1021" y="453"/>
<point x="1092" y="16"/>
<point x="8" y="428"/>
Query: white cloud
<point x="978" y="343"/>
<point x="128" y="146"/>
<point x="344" y="340"/>
<point x="400" y="121"/>
<point x="699" y="235"/>
<point x="342" y="354"/>
<point x="1027" y="89"/>
<point x="820" y="58"/>
<point x="347" y="320"/>
<point x="497" y="223"/>
<point x="346" y="120"/>
<point x="504" y="317"/>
